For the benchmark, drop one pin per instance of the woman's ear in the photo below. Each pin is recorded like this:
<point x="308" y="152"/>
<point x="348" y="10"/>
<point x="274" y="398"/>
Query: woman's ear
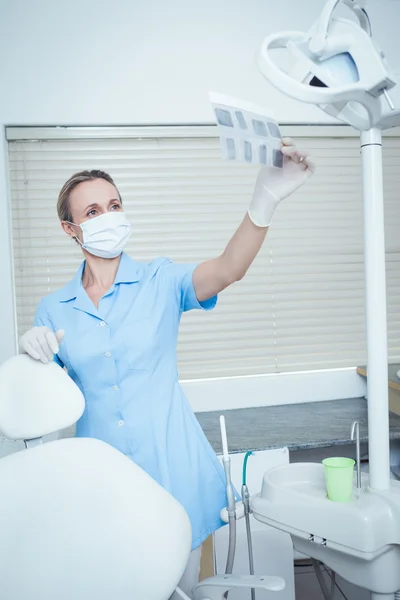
<point x="68" y="228"/>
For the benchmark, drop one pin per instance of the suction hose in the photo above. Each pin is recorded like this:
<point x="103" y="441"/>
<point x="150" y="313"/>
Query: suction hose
<point x="231" y="517"/>
<point x="232" y="546"/>
<point x="231" y="501"/>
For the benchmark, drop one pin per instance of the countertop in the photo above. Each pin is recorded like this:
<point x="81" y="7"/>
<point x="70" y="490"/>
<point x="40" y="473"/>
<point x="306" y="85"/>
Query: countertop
<point x="295" y="426"/>
<point x="394" y="381"/>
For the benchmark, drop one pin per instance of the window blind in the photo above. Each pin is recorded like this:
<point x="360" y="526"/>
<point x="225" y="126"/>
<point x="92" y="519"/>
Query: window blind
<point x="300" y="307"/>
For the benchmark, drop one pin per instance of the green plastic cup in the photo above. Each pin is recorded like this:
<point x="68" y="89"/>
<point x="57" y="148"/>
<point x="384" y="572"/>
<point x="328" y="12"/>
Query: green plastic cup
<point x="339" y="473"/>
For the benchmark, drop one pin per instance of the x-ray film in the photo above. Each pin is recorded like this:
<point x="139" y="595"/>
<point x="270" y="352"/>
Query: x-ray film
<point x="247" y="133"/>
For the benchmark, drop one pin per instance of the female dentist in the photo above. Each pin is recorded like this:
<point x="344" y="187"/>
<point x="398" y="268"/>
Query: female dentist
<point x="115" y="326"/>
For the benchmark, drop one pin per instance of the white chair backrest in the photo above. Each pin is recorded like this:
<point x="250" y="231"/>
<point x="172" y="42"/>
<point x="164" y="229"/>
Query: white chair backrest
<point x="36" y="399"/>
<point x="78" y="519"/>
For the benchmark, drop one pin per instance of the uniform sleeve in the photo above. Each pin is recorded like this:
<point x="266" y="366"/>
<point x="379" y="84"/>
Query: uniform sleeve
<point x="42" y="320"/>
<point x="182" y="277"/>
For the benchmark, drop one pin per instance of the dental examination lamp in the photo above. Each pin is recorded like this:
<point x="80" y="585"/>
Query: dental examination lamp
<point x="338" y="67"/>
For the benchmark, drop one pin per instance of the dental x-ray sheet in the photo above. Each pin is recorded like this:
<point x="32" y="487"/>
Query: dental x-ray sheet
<point x="247" y="133"/>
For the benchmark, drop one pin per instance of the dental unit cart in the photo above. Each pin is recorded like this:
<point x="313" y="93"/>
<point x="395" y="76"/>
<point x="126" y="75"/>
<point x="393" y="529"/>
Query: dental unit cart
<point x="338" y="67"/>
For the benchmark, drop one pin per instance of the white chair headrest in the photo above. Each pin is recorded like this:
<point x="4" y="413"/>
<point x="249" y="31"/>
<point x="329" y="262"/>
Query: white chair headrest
<point x="36" y="399"/>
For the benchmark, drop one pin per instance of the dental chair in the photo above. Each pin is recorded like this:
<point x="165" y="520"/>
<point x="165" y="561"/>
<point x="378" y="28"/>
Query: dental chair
<point x="78" y="519"/>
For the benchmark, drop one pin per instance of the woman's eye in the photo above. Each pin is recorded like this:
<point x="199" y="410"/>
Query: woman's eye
<point x="91" y="213"/>
<point x="115" y="207"/>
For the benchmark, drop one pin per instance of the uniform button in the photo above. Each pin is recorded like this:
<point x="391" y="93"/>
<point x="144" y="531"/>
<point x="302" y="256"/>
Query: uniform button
<point x="102" y="324"/>
<point x="114" y="388"/>
<point x="107" y="354"/>
<point x="121" y="422"/>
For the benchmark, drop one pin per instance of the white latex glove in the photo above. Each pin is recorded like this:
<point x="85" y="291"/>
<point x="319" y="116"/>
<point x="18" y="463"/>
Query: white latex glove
<point x="274" y="185"/>
<point x="41" y="343"/>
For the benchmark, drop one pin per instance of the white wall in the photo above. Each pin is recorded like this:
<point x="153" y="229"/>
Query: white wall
<point x="130" y="62"/>
<point x="133" y="62"/>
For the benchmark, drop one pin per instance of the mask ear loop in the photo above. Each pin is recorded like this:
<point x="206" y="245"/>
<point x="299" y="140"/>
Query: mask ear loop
<point x="74" y="237"/>
<point x="77" y="240"/>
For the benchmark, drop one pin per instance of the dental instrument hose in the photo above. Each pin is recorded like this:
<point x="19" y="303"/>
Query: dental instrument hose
<point x="247" y="511"/>
<point x="230" y="495"/>
<point x="231" y="518"/>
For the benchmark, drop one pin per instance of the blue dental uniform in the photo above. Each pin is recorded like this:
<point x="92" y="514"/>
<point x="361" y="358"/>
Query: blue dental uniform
<point x="123" y="358"/>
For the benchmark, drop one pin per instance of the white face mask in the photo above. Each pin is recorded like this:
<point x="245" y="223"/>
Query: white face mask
<point x="106" y="235"/>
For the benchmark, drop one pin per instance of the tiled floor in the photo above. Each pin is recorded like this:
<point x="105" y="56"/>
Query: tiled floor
<point x="307" y="587"/>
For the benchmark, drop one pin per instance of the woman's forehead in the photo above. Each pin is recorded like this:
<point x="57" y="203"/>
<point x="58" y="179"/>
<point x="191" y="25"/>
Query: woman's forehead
<point x="95" y="191"/>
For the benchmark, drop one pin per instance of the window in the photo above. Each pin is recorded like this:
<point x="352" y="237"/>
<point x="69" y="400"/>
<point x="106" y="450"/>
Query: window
<point x="301" y="306"/>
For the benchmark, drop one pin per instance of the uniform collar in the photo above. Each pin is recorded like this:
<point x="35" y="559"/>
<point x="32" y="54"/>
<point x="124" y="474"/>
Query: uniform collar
<point x="128" y="272"/>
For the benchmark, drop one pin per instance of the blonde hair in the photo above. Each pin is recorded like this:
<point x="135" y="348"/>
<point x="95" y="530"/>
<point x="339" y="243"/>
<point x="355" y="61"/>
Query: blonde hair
<point x="63" y="203"/>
